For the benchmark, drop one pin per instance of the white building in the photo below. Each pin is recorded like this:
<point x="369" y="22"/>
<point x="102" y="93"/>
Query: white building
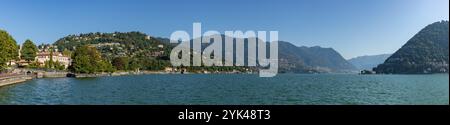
<point x="42" y="57"/>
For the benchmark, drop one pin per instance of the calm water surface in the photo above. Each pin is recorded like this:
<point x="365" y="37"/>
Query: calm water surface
<point x="233" y="89"/>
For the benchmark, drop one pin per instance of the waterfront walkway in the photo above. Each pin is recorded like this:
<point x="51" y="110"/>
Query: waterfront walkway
<point x="12" y="78"/>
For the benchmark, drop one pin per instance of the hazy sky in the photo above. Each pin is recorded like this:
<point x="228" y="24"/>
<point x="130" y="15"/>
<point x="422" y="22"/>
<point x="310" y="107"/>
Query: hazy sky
<point x="352" y="27"/>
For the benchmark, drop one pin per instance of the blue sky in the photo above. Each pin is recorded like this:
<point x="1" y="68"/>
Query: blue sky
<point x="352" y="27"/>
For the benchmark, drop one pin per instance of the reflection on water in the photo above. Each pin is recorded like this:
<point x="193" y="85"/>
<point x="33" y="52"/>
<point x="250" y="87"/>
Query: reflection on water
<point x="233" y="89"/>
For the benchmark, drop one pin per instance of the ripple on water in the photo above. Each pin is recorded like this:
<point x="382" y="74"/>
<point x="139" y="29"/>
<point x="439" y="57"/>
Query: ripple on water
<point x="233" y="89"/>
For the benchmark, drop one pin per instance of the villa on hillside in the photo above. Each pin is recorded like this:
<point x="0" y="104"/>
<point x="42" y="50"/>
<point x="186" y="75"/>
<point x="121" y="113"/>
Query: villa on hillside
<point x="42" y="57"/>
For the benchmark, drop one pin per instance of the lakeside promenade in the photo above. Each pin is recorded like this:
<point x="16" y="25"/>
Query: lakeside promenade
<point x="12" y="78"/>
<point x="22" y="75"/>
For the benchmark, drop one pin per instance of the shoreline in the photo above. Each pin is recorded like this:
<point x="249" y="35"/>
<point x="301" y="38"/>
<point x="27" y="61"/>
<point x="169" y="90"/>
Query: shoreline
<point x="14" y="79"/>
<point x="147" y="72"/>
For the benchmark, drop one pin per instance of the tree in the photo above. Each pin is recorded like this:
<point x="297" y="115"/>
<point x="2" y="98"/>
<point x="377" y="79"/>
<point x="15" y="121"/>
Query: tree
<point x="134" y="65"/>
<point x="34" y="64"/>
<point x="88" y="60"/>
<point x="14" y="53"/>
<point x="121" y="63"/>
<point x="51" y="63"/>
<point x="58" y="65"/>
<point x="67" y="52"/>
<point x="8" y="49"/>
<point x="105" y="66"/>
<point x="29" y="50"/>
<point x="81" y="64"/>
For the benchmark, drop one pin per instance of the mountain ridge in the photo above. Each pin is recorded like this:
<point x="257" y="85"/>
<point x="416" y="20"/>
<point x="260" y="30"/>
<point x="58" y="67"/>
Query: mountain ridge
<point x="367" y="62"/>
<point x="426" y="52"/>
<point x="314" y="59"/>
<point x="294" y="59"/>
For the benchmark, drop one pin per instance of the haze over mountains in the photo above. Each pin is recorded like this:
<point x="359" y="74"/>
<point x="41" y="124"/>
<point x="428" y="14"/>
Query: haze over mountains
<point x="311" y="59"/>
<point x="294" y="59"/>
<point x="369" y="61"/>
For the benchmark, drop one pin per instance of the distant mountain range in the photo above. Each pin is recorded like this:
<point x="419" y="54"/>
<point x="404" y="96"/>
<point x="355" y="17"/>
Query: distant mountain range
<point x="311" y="59"/>
<point x="426" y="52"/>
<point x="368" y="62"/>
<point x="292" y="58"/>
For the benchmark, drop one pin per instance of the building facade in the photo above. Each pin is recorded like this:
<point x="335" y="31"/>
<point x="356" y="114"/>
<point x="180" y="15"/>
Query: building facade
<point x="43" y="57"/>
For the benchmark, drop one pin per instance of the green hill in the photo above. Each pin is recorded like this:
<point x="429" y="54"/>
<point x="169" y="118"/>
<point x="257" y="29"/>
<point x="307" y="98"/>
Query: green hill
<point x="136" y="48"/>
<point x="426" y="52"/>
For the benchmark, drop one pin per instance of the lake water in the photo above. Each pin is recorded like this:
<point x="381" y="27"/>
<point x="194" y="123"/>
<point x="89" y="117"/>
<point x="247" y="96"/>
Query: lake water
<point x="329" y="89"/>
